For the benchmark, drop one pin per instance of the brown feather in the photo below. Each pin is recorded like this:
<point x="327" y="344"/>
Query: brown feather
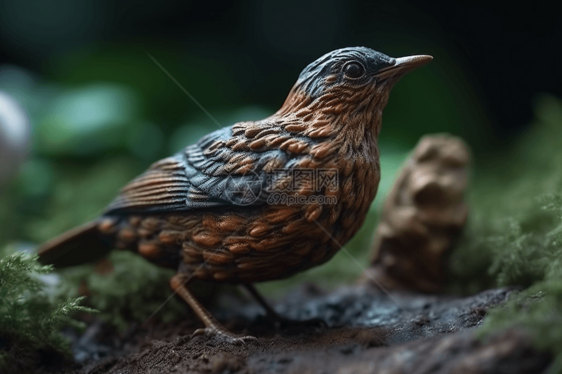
<point x="163" y="184"/>
<point x="77" y="246"/>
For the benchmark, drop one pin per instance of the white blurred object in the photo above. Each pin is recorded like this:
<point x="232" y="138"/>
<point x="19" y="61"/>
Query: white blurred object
<point x="14" y="137"/>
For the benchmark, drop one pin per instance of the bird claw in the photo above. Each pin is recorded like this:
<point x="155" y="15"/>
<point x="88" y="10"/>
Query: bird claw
<point x="223" y="335"/>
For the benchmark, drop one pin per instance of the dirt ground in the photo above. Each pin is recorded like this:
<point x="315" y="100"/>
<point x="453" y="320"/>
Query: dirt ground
<point x="367" y="332"/>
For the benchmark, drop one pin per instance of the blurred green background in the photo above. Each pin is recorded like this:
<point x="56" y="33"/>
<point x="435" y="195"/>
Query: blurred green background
<point x="101" y="110"/>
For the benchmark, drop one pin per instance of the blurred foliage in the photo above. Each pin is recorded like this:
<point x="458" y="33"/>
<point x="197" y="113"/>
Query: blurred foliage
<point x="129" y="290"/>
<point x="537" y="310"/>
<point x="514" y="209"/>
<point x="515" y="233"/>
<point x="31" y="318"/>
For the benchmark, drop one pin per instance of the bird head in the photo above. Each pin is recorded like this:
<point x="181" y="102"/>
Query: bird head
<point x="347" y="88"/>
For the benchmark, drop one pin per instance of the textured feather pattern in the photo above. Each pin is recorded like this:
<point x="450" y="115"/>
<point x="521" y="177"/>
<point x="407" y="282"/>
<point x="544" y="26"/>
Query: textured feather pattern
<point x="213" y="172"/>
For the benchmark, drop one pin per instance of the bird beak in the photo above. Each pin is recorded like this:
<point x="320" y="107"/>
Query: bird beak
<point x="403" y="65"/>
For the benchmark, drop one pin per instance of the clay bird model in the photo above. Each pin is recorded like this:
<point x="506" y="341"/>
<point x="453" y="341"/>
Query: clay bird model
<point x="260" y="200"/>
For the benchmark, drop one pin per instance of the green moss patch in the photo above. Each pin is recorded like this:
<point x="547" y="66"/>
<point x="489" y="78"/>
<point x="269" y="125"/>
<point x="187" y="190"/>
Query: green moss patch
<point x="30" y="318"/>
<point x="515" y="233"/>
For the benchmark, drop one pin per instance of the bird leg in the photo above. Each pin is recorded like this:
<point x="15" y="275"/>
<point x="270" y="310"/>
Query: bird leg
<point x="278" y="320"/>
<point x="212" y="327"/>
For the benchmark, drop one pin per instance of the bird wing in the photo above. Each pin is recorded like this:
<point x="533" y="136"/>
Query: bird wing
<point x="212" y="172"/>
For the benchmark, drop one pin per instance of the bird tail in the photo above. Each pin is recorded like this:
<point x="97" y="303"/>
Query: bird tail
<point x="77" y="246"/>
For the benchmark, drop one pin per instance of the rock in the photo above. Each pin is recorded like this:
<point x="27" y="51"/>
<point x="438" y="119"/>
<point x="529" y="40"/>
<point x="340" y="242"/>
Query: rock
<point x="369" y="332"/>
<point x="422" y="217"/>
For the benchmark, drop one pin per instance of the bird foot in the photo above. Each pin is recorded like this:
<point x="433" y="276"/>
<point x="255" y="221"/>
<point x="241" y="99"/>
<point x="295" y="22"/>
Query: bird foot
<point x="223" y="336"/>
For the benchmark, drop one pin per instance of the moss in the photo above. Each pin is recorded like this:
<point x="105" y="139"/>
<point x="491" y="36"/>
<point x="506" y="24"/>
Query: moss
<point x="515" y="233"/>
<point x="529" y="253"/>
<point x="132" y="291"/>
<point x="536" y="310"/>
<point x="30" y="318"/>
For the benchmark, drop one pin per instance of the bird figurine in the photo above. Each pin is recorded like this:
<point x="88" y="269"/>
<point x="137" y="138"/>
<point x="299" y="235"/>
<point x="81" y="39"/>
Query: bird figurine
<point x="259" y="200"/>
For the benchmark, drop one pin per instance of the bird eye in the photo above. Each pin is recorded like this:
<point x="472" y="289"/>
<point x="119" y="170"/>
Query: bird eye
<point x="353" y="70"/>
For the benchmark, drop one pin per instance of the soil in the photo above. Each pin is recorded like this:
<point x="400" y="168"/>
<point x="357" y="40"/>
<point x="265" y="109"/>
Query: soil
<point x="367" y="332"/>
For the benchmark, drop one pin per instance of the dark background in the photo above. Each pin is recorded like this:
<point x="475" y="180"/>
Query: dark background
<point x="504" y="52"/>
